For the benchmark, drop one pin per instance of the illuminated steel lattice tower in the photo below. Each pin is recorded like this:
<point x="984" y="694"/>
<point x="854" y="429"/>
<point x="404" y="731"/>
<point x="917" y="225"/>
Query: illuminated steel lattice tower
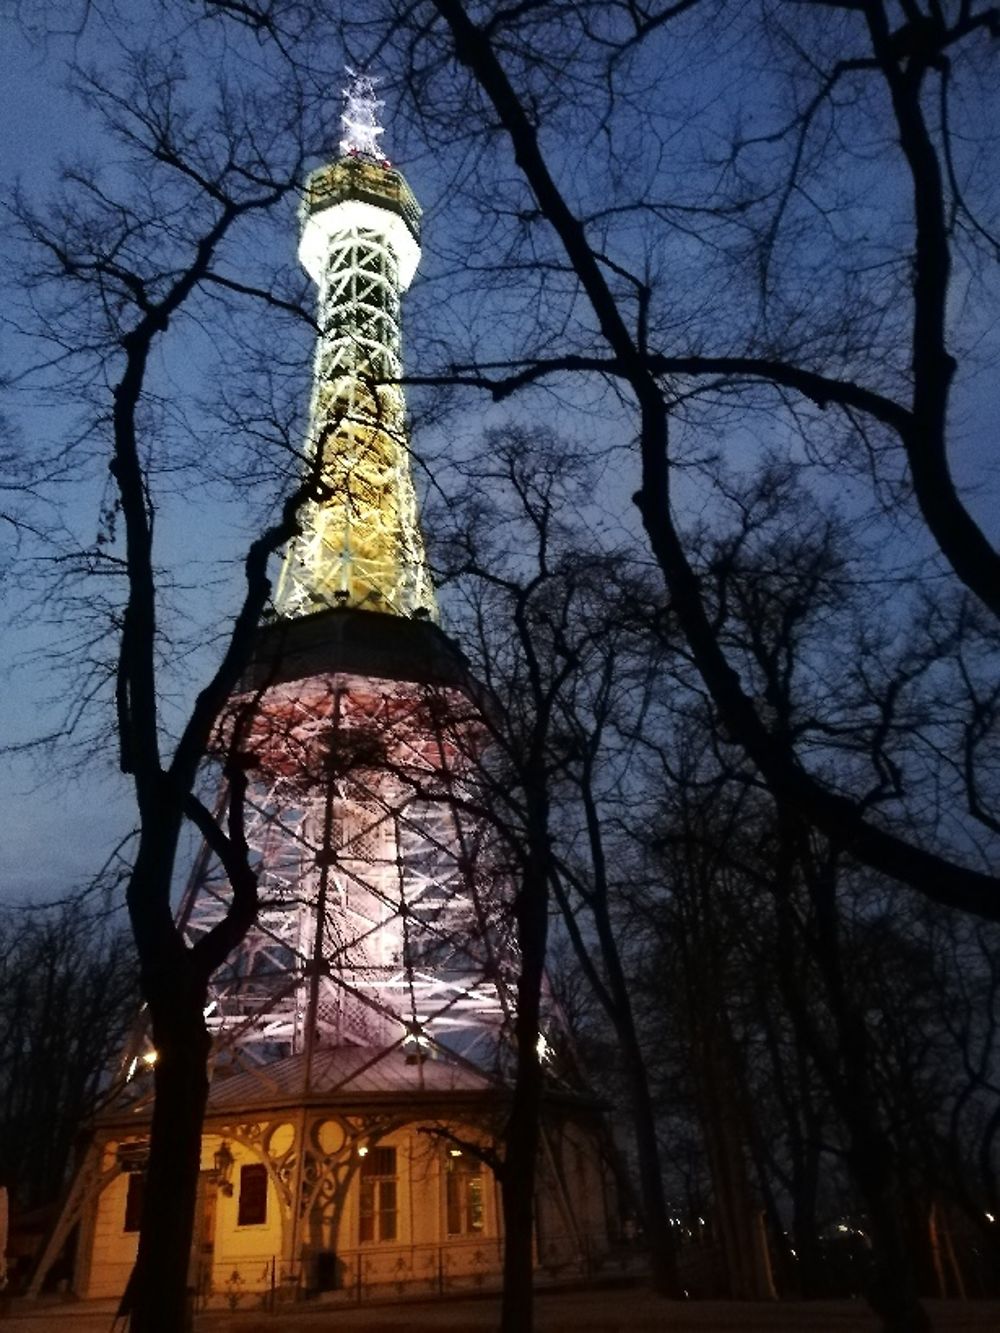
<point x="378" y="925"/>
<point x="362" y="1018"/>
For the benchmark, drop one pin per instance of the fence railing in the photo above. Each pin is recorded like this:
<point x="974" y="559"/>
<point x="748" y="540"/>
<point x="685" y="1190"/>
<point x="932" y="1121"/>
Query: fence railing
<point x="377" y="1272"/>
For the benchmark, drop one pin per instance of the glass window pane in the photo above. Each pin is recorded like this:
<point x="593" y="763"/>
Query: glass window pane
<point x="464" y="1209"/>
<point x="387" y="1210"/>
<point x="475" y="1202"/>
<point x="378" y="1204"/>
<point x="253" y="1196"/>
<point x="454" y="1200"/>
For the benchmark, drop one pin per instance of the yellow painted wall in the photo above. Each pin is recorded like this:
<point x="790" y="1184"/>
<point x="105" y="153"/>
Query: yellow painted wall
<point x="421" y="1257"/>
<point x="247" y="1251"/>
<point x="113" y="1249"/>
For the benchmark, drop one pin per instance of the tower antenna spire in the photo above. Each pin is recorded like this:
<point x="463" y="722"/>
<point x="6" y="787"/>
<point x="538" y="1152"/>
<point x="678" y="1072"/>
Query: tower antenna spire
<point x="359" y="118"/>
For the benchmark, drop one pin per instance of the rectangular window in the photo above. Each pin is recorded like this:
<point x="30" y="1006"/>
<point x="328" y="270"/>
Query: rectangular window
<point x="464" y="1195"/>
<point x="378" y="1195"/>
<point x="133" y="1200"/>
<point x="253" y="1196"/>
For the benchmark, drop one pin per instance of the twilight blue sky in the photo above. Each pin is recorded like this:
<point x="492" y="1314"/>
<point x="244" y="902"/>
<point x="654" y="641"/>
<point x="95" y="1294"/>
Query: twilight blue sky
<point x="53" y="829"/>
<point x="60" y="812"/>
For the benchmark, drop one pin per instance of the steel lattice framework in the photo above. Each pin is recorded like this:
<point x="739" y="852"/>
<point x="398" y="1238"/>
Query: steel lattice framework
<point x="372" y="995"/>
<point x="380" y="917"/>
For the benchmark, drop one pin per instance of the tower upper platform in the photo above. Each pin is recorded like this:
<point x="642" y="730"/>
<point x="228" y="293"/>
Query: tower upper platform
<point x="358" y="192"/>
<point x="345" y="641"/>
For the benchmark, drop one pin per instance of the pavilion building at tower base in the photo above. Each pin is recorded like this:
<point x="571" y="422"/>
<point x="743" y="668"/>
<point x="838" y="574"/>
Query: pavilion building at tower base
<point x="355" y="1190"/>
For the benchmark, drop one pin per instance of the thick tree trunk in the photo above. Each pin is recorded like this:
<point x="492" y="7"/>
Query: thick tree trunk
<point x="805" y="1191"/>
<point x="892" y="1291"/>
<point x="159" y="1301"/>
<point x="659" y="1239"/>
<point x="736" y="1214"/>
<point x="522" y="1131"/>
<point x="517" y="1311"/>
<point x="846" y="1069"/>
<point x="807" y="1135"/>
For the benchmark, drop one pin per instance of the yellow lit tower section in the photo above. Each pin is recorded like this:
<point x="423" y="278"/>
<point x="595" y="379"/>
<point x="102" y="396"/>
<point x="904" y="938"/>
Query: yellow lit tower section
<point x="360" y="544"/>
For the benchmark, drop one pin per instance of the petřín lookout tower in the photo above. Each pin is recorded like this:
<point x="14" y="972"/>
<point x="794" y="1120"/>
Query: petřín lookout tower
<point x="361" y="1029"/>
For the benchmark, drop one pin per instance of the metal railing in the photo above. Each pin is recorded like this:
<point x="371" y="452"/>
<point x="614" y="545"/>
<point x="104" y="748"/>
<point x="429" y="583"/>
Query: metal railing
<point x="388" y="1272"/>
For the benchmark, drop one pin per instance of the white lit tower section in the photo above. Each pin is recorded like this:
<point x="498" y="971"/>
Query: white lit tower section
<point x="360" y="544"/>
<point x="377" y="931"/>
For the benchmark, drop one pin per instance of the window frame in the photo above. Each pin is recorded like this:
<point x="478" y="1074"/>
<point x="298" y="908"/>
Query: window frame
<point x="378" y="1197"/>
<point x="257" y="1195"/>
<point x="462" y="1171"/>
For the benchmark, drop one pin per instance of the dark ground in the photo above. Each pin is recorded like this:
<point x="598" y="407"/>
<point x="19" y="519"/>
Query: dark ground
<point x="621" y="1310"/>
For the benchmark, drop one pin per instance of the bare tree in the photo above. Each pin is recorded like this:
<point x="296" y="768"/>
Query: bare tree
<point x="826" y="371"/>
<point x="501" y="545"/>
<point x="902" y="60"/>
<point x="782" y="584"/>
<point x="68" y="991"/>
<point x="116" y="269"/>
